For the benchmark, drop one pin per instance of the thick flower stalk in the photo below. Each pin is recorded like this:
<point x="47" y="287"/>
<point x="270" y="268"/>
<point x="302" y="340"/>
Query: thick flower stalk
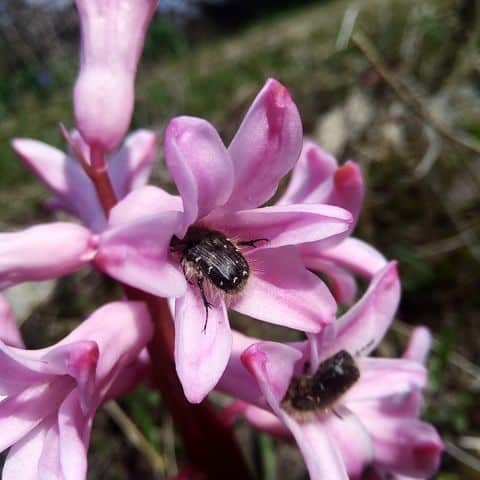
<point x="374" y="422"/>
<point x="153" y="235"/>
<point x="48" y="397"/>
<point x="113" y="32"/>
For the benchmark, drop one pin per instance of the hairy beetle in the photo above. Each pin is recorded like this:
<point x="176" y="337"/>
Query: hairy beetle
<point x="209" y="256"/>
<point x="308" y="393"/>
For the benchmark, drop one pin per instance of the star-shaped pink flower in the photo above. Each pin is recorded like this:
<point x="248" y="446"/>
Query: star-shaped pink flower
<point x="222" y="190"/>
<point x="374" y="422"/>
<point x="48" y="397"/>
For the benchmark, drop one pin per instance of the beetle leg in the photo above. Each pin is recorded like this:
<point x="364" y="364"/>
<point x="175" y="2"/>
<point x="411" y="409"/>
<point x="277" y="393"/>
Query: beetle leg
<point x="206" y="303"/>
<point x="251" y="243"/>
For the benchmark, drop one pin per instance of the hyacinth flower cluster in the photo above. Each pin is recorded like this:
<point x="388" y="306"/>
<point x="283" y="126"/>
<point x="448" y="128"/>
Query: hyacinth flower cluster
<point x="221" y="244"/>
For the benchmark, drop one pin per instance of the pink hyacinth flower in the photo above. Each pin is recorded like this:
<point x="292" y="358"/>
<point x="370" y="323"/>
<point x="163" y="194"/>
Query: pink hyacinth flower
<point x="317" y="178"/>
<point x="341" y="447"/>
<point x="73" y="191"/>
<point x="222" y="190"/>
<point x="112" y="36"/>
<point x="44" y="251"/>
<point x="49" y="396"/>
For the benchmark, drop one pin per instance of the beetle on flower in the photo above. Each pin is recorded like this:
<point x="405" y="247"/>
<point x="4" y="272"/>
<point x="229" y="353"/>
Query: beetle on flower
<point x="220" y="192"/>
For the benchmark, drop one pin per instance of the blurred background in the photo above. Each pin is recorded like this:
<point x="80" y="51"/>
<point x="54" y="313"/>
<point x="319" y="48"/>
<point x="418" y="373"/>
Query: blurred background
<point x="411" y="119"/>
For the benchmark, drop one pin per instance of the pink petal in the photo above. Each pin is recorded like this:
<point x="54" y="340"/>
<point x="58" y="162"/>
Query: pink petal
<point x="320" y="453"/>
<point x="113" y="33"/>
<point x="322" y="458"/>
<point x="281" y="290"/>
<point x="9" y="332"/>
<point x="73" y="437"/>
<point x="121" y="330"/>
<point x="384" y="377"/>
<point x="23" y="457"/>
<point x="266" y="146"/>
<point x="21" y="413"/>
<point x="130" y="167"/>
<point x="313" y="169"/>
<point x="272" y="365"/>
<point x="419" y="345"/>
<point x="341" y="282"/>
<point x="199" y="164"/>
<point x="44" y="251"/>
<point x="236" y="381"/>
<point x="138" y="254"/>
<point x="352" y="254"/>
<point x="19" y="370"/>
<point x="140" y="371"/>
<point x="286" y="225"/>
<point x="407" y="447"/>
<point x="143" y="202"/>
<point x="362" y="328"/>
<point x="348" y="189"/>
<point x="200" y="355"/>
<point x="63" y="175"/>
<point x="265" y="421"/>
<point x="352" y="440"/>
<point x="79" y="360"/>
<point x="49" y="461"/>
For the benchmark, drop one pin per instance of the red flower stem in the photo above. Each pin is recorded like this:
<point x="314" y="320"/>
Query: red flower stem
<point x="210" y="444"/>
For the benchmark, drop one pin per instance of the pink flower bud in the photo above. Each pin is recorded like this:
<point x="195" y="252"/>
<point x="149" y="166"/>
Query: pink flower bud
<point x="113" y="32"/>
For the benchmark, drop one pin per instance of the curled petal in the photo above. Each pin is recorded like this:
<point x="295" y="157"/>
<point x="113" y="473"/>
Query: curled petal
<point x="362" y="328"/>
<point x="113" y="33"/>
<point x="310" y="181"/>
<point x="44" y="251"/>
<point x="282" y="291"/>
<point x="138" y="254"/>
<point x="200" y="165"/>
<point x="201" y="355"/>
<point x="266" y="146"/>
<point x="143" y="202"/>
<point x="130" y="167"/>
<point x="384" y="377"/>
<point x="9" y="332"/>
<point x="352" y="254"/>
<point x="348" y="189"/>
<point x="272" y="365"/>
<point x="419" y="345"/>
<point x="79" y="360"/>
<point x="287" y="225"/>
